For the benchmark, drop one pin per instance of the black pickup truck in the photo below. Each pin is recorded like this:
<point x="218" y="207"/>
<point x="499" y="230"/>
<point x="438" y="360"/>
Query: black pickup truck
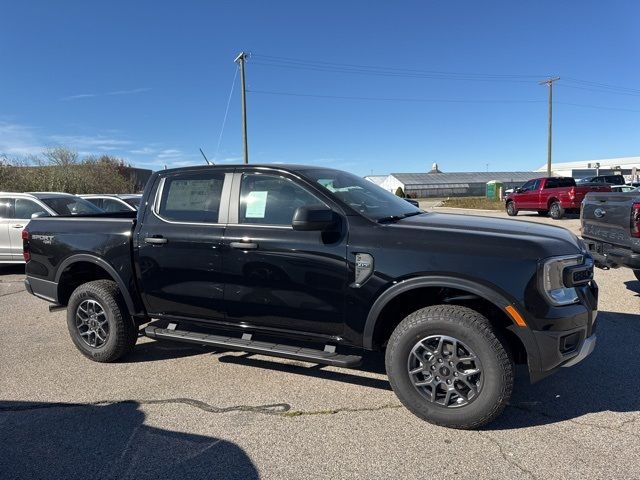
<point x="316" y="265"/>
<point x="610" y="224"/>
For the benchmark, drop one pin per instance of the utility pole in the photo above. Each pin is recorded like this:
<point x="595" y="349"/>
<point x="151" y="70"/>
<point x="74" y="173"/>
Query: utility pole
<point x="240" y="59"/>
<point x="549" y="83"/>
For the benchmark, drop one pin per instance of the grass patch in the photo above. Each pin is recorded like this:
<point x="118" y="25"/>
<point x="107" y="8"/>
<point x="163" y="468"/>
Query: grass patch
<point x="474" y="202"/>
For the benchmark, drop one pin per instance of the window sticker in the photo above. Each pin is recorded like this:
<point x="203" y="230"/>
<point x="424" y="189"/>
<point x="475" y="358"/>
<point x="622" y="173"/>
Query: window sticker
<point x="256" y="204"/>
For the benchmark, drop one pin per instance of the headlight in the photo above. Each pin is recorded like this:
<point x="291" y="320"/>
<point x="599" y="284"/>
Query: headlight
<point x="553" y="284"/>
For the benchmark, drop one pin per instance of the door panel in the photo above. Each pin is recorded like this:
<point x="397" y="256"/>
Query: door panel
<point x="276" y="276"/>
<point x="178" y="247"/>
<point x="22" y="210"/>
<point x="5" y="242"/>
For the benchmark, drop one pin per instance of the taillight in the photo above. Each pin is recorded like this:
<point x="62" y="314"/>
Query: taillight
<point x="572" y="193"/>
<point x="26" y="253"/>
<point x="635" y="220"/>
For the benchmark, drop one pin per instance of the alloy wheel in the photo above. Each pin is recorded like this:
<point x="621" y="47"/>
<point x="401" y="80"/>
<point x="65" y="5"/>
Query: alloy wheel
<point x="445" y="371"/>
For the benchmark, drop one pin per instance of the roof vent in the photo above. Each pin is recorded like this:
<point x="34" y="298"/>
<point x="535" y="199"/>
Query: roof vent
<point x="434" y="168"/>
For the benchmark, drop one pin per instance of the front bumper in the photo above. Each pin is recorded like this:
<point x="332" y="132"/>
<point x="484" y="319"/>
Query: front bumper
<point x="607" y="255"/>
<point x="588" y="346"/>
<point x="560" y="336"/>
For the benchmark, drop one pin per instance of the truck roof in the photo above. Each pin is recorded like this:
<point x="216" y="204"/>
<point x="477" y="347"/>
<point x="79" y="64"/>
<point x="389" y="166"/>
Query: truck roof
<point x="292" y="167"/>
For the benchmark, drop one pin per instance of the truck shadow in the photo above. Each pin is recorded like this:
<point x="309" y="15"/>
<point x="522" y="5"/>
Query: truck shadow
<point x="606" y="381"/>
<point x="79" y="441"/>
<point x="372" y="362"/>
<point x="633" y="286"/>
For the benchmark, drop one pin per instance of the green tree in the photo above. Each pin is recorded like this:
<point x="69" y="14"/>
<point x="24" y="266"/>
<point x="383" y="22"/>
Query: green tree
<point x="400" y="192"/>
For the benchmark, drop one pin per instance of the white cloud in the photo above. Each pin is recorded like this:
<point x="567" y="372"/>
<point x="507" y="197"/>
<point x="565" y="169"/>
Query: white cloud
<point x="100" y="142"/>
<point x="115" y="92"/>
<point x="16" y="139"/>
<point x="169" y="153"/>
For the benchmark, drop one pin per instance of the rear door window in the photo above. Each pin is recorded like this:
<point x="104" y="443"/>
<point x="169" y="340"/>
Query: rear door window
<point x="24" y="208"/>
<point x="111" y="205"/>
<point x="6" y="205"/>
<point x="192" y="197"/>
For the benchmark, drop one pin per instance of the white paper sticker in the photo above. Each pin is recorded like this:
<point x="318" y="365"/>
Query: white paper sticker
<point x="256" y="204"/>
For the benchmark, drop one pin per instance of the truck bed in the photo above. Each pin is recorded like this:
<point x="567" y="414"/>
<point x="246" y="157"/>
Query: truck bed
<point x="102" y="239"/>
<point x="607" y="217"/>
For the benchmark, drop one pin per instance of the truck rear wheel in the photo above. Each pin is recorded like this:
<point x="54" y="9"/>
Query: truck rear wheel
<point x="99" y="323"/>
<point x="556" y="211"/>
<point x="448" y="367"/>
<point x="512" y="211"/>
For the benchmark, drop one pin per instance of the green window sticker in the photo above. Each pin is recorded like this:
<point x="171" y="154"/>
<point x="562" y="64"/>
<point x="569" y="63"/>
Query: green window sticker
<point x="256" y="204"/>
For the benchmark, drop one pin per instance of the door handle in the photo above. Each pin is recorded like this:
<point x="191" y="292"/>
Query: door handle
<point x="17" y="226"/>
<point x="155" y="240"/>
<point x="244" y="245"/>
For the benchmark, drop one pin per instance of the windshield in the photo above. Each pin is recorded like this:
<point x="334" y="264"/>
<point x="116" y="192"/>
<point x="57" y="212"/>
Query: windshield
<point x="133" y="201"/>
<point x="71" y="206"/>
<point x="362" y="195"/>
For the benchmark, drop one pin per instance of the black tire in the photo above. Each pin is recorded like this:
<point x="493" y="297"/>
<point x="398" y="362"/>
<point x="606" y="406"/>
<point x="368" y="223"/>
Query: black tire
<point x="556" y="211"/>
<point x="473" y="330"/>
<point x="637" y="274"/>
<point x="512" y="211"/>
<point x="543" y="213"/>
<point x="120" y="330"/>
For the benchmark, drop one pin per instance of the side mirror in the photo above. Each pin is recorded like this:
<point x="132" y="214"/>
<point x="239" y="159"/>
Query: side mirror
<point x="313" y="217"/>
<point x="40" y="214"/>
<point x="518" y="190"/>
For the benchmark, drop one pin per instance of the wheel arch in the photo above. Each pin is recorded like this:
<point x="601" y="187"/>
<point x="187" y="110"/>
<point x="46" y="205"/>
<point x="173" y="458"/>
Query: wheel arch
<point x="81" y="268"/>
<point x="552" y="200"/>
<point x="488" y="300"/>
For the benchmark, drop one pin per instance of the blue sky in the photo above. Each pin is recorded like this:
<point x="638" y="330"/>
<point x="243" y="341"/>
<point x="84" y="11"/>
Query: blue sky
<point x="149" y="81"/>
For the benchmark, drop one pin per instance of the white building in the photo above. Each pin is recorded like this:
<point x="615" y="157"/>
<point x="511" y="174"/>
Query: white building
<point x="586" y="168"/>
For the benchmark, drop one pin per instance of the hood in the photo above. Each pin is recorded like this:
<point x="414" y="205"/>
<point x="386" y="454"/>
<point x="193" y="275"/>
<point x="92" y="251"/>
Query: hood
<point x="549" y="240"/>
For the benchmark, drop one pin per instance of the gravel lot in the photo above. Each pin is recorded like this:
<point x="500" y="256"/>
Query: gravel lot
<point x="174" y="411"/>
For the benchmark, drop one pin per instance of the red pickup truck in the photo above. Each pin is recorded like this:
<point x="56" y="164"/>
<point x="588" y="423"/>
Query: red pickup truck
<point x="550" y="196"/>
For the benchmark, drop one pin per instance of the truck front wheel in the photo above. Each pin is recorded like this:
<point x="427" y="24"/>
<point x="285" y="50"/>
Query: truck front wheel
<point x="512" y="211"/>
<point x="448" y="367"/>
<point x="556" y="211"/>
<point x="99" y="323"/>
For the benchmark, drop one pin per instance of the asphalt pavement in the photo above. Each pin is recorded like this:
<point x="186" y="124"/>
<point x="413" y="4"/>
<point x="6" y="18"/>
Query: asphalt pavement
<point x="178" y="411"/>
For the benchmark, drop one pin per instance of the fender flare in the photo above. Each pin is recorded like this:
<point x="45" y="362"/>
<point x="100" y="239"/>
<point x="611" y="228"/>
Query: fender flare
<point x="392" y="292"/>
<point x="85" y="257"/>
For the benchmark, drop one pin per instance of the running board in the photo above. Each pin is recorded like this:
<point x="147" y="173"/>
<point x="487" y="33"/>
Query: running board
<point x="326" y="357"/>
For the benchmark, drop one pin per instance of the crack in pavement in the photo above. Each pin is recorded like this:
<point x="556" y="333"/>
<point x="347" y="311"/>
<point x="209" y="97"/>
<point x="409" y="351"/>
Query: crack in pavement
<point x="269" y="409"/>
<point x="11" y="293"/>
<point x="333" y="411"/>
<point x="505" y="456"/>
<point x="278" y="409"/>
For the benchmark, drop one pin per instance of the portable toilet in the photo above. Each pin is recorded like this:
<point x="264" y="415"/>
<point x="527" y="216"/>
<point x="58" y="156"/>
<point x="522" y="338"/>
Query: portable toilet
<point x="493" y="189"/>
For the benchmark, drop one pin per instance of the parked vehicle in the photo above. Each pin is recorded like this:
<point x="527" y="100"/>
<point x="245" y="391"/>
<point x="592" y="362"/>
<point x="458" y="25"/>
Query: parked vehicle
<point x="16" y="209"/>
<point x="553" y="196"/>
<point x="608" y="179"/>
<point x="622" y="188"/>
<point x="115" y="203"/>
<point x="265" y="259"/>
<point x="611" y="229"/>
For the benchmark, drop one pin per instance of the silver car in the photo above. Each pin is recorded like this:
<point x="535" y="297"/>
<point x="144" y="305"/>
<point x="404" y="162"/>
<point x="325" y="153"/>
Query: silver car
<point x="115" y="203"/>
<point x="16" y="209"/>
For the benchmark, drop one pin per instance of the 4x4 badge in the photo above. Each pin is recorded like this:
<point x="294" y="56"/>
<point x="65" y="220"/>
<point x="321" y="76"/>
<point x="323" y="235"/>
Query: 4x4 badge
<point x="363" y="270"/>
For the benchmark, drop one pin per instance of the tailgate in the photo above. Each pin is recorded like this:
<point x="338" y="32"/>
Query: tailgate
<point x="607" y="217"/>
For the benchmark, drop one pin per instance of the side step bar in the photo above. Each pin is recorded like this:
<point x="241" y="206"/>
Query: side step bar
<point x="326" y="357"/>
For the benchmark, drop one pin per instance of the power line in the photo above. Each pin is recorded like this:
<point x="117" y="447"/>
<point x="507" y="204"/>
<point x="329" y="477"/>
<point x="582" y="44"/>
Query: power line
<point x="432" y="100"/>
<point x="296" y="61"/>
<point x="389" y="99"/>
<point x="226" y="112"/>
<point x="603" y="85"/>
<point x="377" y="73"/>
<point x="601" y="90"/>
